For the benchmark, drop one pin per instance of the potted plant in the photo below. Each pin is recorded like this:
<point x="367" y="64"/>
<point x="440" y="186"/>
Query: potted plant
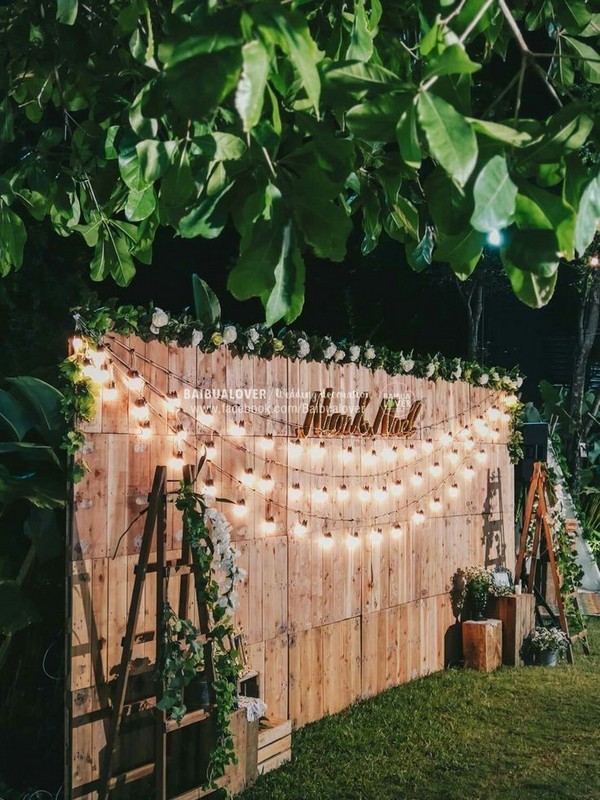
<point x="475" y="583"/>
<point x="544" y="646"/>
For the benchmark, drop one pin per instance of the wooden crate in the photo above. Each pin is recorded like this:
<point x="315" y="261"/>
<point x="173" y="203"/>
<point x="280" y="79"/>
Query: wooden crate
<point x="482" y="644"/>
<point x="517" y="612"/>
<point x="274" y="744"/>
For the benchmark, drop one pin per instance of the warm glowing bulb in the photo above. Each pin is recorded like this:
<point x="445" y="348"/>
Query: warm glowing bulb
<point x="145" y="431"/>
<point x="493" y="413"/>
<point x="347" y="455"/>
<point x="381" y="494"/>
<point x="353" y="540"/>
<point x="469" y="472"/>
<point x="453" y="490"/>
<point x="464" y="432"/>
<point x="210" y="490"/>
<point x="240" y="509"/>
<point x="140" y="409"/>
<point x="135" y="382"/>
<point x="436" y="469"/>
<point x="494" y="238"/>
<point x="396" y="531"/>
<point x="454" y="457"/>
<point x="248" y="477"/>
<point x="469" y="444"/>
<point x="180" y="434"/>
<point x="446" y="438"/>
<point x="370" y="458"/>
<point x="505" y="417"/>
<point x="98" y="357"/>
<point x="211" y="450"/>
<point x="495" y="435"/>
<point x="295" y="492"/>
<point x="301" y="528"/>
<point x="94" y="373"/>
<point x="78" y="344"/>
<point x="594" y="261"/>
<point x="364" y="494"/>
<point x="480" y="426"/>
<point x="418" y="518"/>
<point x="269" y="526"/>
<point x="390" y="453"/>
<point x="172" y="402"/>
<point x="327" y="541"/>
<point x="417" y="479"/>
<point x="397" y="488"/>
<point x="267" y="483"/>
<point x="177" y="459"/>
<point x="267" y="442"/>
<point x="206" y="416"/>
<point x="435" y="505"/>
<point x="110" y="393"/>
<point x="239" y="429"/>
<point x="376" y="535"/>
<point x="320" y="495"/>
<point x="294" y="448"/>
<point x="427" y="446"/>
<point x="343" y="493"/>
<point x="481" y="456"/>
<point x="318" y="450"/>
<point x="409" y="452"/>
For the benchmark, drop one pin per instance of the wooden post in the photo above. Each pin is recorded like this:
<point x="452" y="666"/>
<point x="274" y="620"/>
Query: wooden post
<point x="482" y="644"/>
<point x="517" y="613"/>
<point x="160" y="770"/>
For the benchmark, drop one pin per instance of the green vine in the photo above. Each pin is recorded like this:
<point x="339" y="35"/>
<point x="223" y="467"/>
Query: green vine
<point x="182" y="660"/>
<point x="515" y="439"/>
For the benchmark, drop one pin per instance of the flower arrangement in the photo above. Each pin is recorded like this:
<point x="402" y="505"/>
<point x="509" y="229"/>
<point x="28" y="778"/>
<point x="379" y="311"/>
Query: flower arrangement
<point x="542" y="642"/>
<point x="471" y="585"/>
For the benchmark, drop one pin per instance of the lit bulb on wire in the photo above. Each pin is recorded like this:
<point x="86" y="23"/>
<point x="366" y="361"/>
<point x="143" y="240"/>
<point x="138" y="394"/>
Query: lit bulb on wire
<point x="343" y="493"/>
<point x="436" y="469"/>
<point x="134" y="381"/>
<point x="110" y="393"/>
<point x="240" y="509"/>
<point x="295" y="492"/>
<point x="248" y="477"/>
<point x="417" y="479"/>
<point x="353" y="540"/>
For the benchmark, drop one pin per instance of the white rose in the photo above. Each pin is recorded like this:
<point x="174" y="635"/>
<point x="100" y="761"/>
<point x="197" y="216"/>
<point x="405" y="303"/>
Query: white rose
<point x="250" y="345"/>
<point x="430" y="370"/>
<point x="519" y="382"/>
<point x="160" y="318"/>
<point x="339" y="355"/>
<point x="457" y="373"/>
<point x="329" y="351"/>
<point x="354" y="352"/>
<point x="495" y="376"/>
<point x="407" y="364"/>
<point x="369" y="354"/>
<point x="211" y="514"/>
<point x="197" y="337"/>
<point x="253" y="335"/>
<point x="483" y="379"/>
<point x="303" y="347"/>
<point x="229" y="334"/>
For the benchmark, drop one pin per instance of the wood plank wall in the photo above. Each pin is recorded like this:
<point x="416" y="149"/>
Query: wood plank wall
<point x="325" y="622"/>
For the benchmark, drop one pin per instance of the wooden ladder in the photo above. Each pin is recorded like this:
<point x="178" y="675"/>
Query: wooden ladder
<point x="156" y="519"/>
<point x="543" y="547"/>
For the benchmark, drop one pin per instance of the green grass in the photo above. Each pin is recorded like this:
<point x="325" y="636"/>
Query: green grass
<point x="518" y="734"/>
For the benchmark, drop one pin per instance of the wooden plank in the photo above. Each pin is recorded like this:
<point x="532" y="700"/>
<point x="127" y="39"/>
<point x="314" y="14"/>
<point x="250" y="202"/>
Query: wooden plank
<point x="482" y="644"/>
<point x="274" y="762"/>
<point x="516" y="613"/>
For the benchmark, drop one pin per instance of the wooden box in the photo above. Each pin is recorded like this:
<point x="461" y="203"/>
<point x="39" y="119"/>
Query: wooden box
<point x="274" y="744"/>
<point x="517" y="612"/>
<point x="482" y="644"/>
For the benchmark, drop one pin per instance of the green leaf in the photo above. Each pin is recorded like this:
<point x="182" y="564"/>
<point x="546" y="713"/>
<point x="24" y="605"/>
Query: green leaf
<point x="588" y="216"/>
<point x="376" y="120"/>
<point x="500" y="133"/>
<point x="12" y="240"/>
<point x="16" y="610"/>
<point x="43" y="402"/>
<point x="14" y="417"/>
<point x="494" y="194"/>
<point x="140" y="204"/>
<point x="155" y="157"/>
<point x="361" y="38"/>
<point x="573" y="14"/>
<point x="145" y="127"/>
<point x="537" y="208"/>
<point x="405" y="216"/>
<point x="250" y="92"/>
<point x="533" y="250"/>
<point x="207" y="218"/>
<point x="534" y="290"/>
<point x="451" y="61"/>
<point x="590" y="65"/>
<point x="462" y="251"/>
<point x="66" y="11"/>
<point x="450" y="137"/>
<point x="418" y="254"/>
<point x="407" y="135"/>
<point x="41" y="528"/>
<point x="206" y="303"/>
<point x="565" y="131"/>
<point x="448" y="205"/>
<point x="227" y="146"/>
<point x="286" y="298"/>
<point x="112" y="256"/>
<point x="194" y="97"/>
<point x="7" y="133"/>
<point x="130" y="170"/>
<point x="357" y="76"/>
<point x="177" y="184"/>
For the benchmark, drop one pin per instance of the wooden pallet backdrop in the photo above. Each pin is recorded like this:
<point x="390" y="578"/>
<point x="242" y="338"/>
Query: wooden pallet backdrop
<point x="327" y="621"/>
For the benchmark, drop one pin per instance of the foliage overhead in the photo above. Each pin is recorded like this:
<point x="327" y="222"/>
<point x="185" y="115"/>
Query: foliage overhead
<point x="292" y="122"/>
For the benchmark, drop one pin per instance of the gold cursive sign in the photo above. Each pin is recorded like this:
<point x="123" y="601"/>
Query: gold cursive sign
<point x="322" y="422"/>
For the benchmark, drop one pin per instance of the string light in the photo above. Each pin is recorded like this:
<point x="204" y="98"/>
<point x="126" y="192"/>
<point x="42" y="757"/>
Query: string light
<point x="446" y="438"/>
<point x="267" y="483"/>
<point x="140" y="409"/>
<point x="481" y="456"/>
<point x="453" y="490"/>
<point x="320" y="495"/>
<point x="493" y="413"/>
<point x="396" y="530"/>
<point x="294" y="448"/>
<point x="295" y="492"/>
<point x="594" y="261"/>
<point x="206" y="416"/>
<point x="364" y="494"/>
<point x="381" y="494"/>
<point x="469" y="444"/>
<point x="267" y="442"/>
<point x="77" y="344"/>
<point x="98" y="374"/>
<point x="180" y="434"/>
<point x="110" y="393"/>
<point x="269" y="526"/>
<point x="436" y="469"/>
<point x="409" y="452"/>
<point x="353" y="540"/>
<point x="240" y="509"/>
<point x="210" y="490"/>
<point x="347" y="455"/>
<point x="370" y="458"/>
<point x="465" y="432"/>
<point x="417" y="479"/>
<point x="436" y="505"/>
<point x="211" y="450"/>
<point x="510" y="400"/>
<point x="454" y="457"/>
<point x="177" y="459"/>
<point x="318" y="450"/>
<point x="397" y="488"/>
<point x="343" y="493"/>
<point x="390" y="453"/>
<point x="495" y="435"/>
<point x="98" y="357"/>
<point x="172" y="402"/>
<point x="134" y="380"/>
<point x="418" y="517"/>
<point x="301" y="528"/>
<point x="145" y="433"/>
<point x="469" y="472"/>
<point x="376" y="535"/>
<point x="248" y="478"/>
<point x="480" y="426"/>
<point x="327" y="540"/>
<point x="427" y="446"/>
<point x="239" y="429"/>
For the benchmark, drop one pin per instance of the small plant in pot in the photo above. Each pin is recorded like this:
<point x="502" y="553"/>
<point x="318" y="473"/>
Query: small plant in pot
<point x="544" y="646"/>
<point x="471" y="588"/>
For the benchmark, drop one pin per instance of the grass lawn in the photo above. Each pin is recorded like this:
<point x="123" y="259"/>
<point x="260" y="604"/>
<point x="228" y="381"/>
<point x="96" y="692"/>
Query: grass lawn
<point x="518" y="734"/>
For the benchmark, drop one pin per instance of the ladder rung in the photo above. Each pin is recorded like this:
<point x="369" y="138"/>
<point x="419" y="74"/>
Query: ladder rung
<point x="131" y="775"/>
<point x="190" y="719"/>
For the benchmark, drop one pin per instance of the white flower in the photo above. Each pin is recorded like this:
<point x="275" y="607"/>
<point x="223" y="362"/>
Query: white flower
<point x="229" y="334"/>
<point x="303" y="347"/>
<point x="250" y="345"/>
<point x="495" y="376"/>
<point x="519" y="382"/>
<point x="407" y="364"/>
<point x="430" y="370"/>
<point x="253" y="335"/>
<point x="329" y="351"/>
<point x="339" y="355"/>
<point x="369" y="353"/>
<point x="160" y="318"/>
<point x="197" y="337"/>
<point x="457" y="372"/>
<point x="483" y="379"/>
<point x="354" y="352"/>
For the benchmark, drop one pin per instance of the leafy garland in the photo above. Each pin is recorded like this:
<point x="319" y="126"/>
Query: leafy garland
<point x="154" y="324"/>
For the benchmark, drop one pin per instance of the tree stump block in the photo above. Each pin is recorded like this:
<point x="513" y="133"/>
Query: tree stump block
<point x="517" y="612"/>
<point x="482" y="644"/>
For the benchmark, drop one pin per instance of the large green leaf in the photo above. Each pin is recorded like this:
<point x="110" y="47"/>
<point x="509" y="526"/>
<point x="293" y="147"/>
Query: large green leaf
<point x="140" y="205"/>
<point x="324" y="224"/>
<point x="450" y="137"/>
<point x="532" y="250"/>
<point x="16" y="610"/>
<point x="41" y="528"/>
<point x="534" y="290"/>
<point x="15" y="418"/>
<point x="112" y="256"/>
<point x="565" y="131"/>
<point x="494" y="194"/>
<point x="12" y="240"/>
<point x="449" y="207"/>
<point x="43" y="404"/>
<point x="418" y="254"/>
<point x="355" y="76"/>
<point x="500" y="132"/>
<point x="407" y="134"/>
<point x="361" y="36"/>
<point x="538" y="208"/>
<point x="462" y="251"/>
<point x="451" y="61"/>
<point x="286" y="297"/>
<point x="208" y="217"/>
<point x="206" y="303"/>
<point x="588" y="217"/>
<point x="249" y="96"/>
<point x="198" y="85"/>
<point x="155" y="157"/>
<point x="573" y="14"/>
<point x="590" y="60"/>
<point x="66" y="11"/>
<point x="376" y="119"/>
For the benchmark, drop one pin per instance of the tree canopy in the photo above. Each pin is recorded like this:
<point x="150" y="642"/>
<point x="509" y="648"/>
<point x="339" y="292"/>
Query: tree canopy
<point x="295" y="122"/>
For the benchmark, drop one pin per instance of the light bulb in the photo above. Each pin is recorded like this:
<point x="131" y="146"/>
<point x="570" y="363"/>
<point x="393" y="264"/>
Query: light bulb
<point x="110" y="393"/>
<point x="454" y="457"/>
<point x="469" y="472"/>
<point x="294" y="448"/>
<point x="267" y="483"/>
<point x="390" y="453"/>
<point x="495" y="435"/>
<point x="381" y="494"/>
<point x="177" y="459"/>
<point x="327" y="540"/>
<point x="409" y="452"/>
<point x="343" y="493"/>
<point x="436" y="469"/>
<point x="353" y="540"/>
<point x="396" y="531"/>
<point x="98" y="357"/>
<point x="417" y="479"/>
<point x="427" y="446"/>
<point x="145" y="431"/>
<point x="140" y="409"/>
<point x="347" y="455"/>
<point x="135" y="382"/>
<point x="267" y="442"/>
<point x="239" y="428"/>
<point x="92" y="372"/>
<point x="493" y="413"/>
<point x="418" y="517"/>
<point x="594" y="262"/>
<point x="318" y="450"/>
<point x="494" y="238"/>
<point x="510" y="400"/>
<point x="295" y="492"/>
<point x="210" y="490"/>
<point x="397" y="488"/>
<point x="269" y="526"/>
<point x="453" y="490"/>
<point x="435" y="505"/>
<point x="248" y="477"/>
<point x="370" y="458"/>
<point x="206" y="416"/>
<point x="505" y="417"/>
<point x="172" y="402"/>
<point x="364" y="494"/>
<point x="211" y="450"/>
<point x="78" y="344"/>
<point x="446" y="438"/>
<point x="481" y="456"/>
<point x="320" y="495"/>
<point x="240" y="509"/>
<point x="376" y="535"/>
<point x="180" y="434"/>
<point x="301" y="528"/>
<point x="469" y="444"/>
<point x="480" y="426"/>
